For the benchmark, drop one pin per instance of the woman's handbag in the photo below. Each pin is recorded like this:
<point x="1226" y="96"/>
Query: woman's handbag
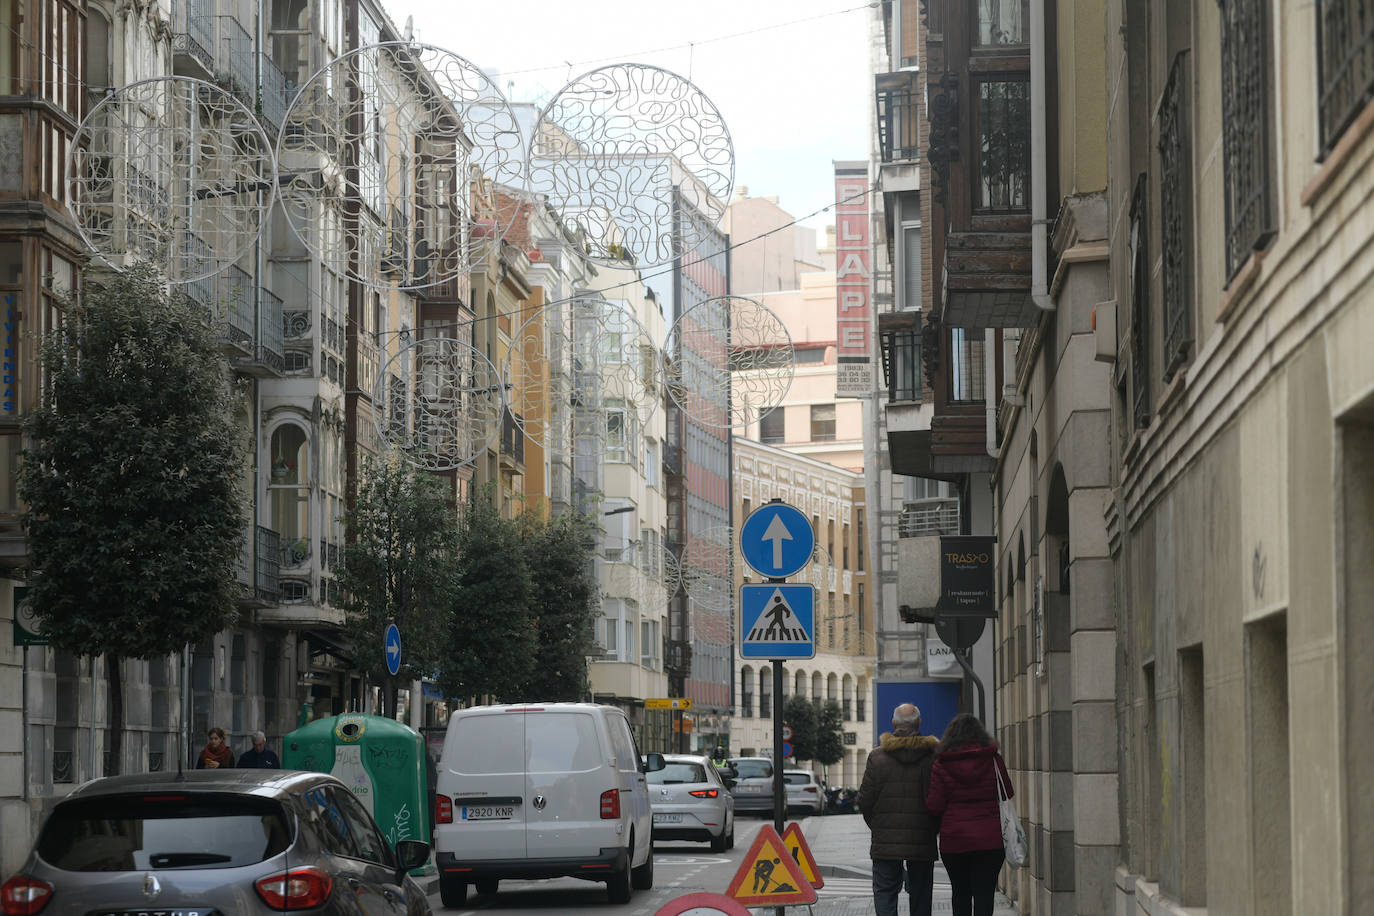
<point x="1013" y="837"/>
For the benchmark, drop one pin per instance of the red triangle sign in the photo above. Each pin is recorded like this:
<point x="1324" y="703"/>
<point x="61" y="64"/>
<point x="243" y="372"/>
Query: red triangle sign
<point x="801" y="853"/>
<point x="768" y="875"/>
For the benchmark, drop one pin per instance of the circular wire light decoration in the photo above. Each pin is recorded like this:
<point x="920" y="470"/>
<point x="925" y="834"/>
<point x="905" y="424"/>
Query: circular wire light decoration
<point x="173" y="170"/>
<point x="583" y="378"/>
<point x="439" y="403"/>
<point x="622" y="152"/>
<point x="401" y="165"/>
<point x="728" y="361"/>
<point x="706" y="568"/>
<point x="651" y="583"/>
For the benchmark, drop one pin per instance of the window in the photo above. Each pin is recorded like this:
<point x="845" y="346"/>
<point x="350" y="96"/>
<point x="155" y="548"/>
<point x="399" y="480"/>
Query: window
<point x="1346" y="66"/>
<point x="746" y="693"/>
<point x="367" y="841"/>
<point x="808" y="355"/>
<point x="822" y="422"/>
<point x="1003" y="22"/>
<point x="1175" y="176"/>
<point x="968" y="380"/>
<point x="1140" y="306"/>
<point x="615" y="434"/>
<point x="859" y="543"/>
<point x="1003" y="116"/>
<point x="911" y="266"/>
<point x="1246" y="127"/>
<point x="288" y="490"/>
<point x="609" y="630"/>
<point x="772" y="426"/>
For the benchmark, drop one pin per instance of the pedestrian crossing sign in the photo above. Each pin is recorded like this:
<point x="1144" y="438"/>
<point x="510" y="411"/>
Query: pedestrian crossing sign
<point x="768" y="876"/>
<point x="777" y="621"/>
<point x="801" y="853"/>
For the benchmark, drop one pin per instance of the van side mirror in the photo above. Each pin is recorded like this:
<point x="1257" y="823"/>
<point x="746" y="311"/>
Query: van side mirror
<point x="410" y="854"/>
<point x="653" y="763"/>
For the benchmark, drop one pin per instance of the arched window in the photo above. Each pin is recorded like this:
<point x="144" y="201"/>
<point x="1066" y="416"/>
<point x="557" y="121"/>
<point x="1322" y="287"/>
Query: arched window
<point x="765" y="693"/>
<point x="817" y="697"/>
<point x="746" y="688"/>
<point x="847" y="698"/>
<point x="288" y="489"/>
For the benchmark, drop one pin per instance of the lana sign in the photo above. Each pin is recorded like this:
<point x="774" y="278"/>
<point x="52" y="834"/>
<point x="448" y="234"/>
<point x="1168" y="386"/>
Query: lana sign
<point x="853" y="319"/>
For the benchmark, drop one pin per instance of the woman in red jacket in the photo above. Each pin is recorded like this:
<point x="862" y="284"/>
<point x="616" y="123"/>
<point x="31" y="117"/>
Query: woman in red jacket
<point x="963" y="795"/>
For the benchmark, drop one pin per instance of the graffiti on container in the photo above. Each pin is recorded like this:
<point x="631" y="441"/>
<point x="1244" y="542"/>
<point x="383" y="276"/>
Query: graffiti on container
<point x="388" y="758"/>
<point x="400" y="829"/>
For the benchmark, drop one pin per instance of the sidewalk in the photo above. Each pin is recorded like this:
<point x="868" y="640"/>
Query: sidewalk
<point x="839" y="844"/>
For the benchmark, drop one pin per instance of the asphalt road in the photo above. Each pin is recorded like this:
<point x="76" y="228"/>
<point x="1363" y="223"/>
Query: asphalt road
<point x="679" y="868"/>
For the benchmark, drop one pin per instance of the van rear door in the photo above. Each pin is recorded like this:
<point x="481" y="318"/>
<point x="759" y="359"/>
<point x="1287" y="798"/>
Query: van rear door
<point x="484" y="754"/>
<point x="568" y="774"/>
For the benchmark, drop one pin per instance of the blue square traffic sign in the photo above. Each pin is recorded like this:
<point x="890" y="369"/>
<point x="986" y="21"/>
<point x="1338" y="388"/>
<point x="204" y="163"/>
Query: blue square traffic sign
<point x="777" y="621"/>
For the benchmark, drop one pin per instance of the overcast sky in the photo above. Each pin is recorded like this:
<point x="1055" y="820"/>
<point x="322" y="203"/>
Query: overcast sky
<point x="792" y="83"/>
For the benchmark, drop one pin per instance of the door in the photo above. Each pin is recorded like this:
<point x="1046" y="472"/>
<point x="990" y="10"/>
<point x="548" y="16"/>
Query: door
<point x="634" y="787"/>
<point x="568" y="774"/>
<point x="370" y="866"/>
<point x="483" y="773"/>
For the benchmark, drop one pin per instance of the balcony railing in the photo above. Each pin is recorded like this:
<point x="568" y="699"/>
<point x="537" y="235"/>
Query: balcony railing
<point x="929" y="518"/>
<point x="268" y="564"/>
<point x="271" y="352"/>
<point x="899" y="117"/>
<point x="882" y="289"/>
<point x="272" y="94"/>
<point x="236" y="59"/>
<point x="193" y="31"/>
<point x="234" y="310"/>
<point x="512" y="437"/>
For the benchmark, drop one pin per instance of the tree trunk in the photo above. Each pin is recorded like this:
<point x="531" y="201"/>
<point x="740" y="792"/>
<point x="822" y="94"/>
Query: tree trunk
<point x="115" y="684"/>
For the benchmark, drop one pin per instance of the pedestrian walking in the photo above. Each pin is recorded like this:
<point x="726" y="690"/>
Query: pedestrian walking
<point x="963" y="794"/>
<point x="892" y="799"/>
<point x="216" y="753"/>
<point x="260" y="756"/>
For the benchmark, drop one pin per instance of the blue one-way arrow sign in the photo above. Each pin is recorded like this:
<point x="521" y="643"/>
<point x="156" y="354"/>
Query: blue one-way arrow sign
<point x="777" y="540"/>
<point x="393" y="648"/>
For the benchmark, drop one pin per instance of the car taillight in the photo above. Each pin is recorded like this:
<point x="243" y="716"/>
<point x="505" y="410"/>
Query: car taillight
<point x="298" y="889"/>
<point x="24" y="896"/>
<point x="811" y="789"/>
<point x="610" y="804"/>
<point x="704" y="793"/>
<point x="443" y="809"/>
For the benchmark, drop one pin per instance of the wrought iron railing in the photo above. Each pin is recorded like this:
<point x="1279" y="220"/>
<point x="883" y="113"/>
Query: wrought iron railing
<point x="901" y="352"/>
<point x="899" y="123"/>
<point x="1245" y="63"/>
<point x="267" y="564"/>
<point x="882" y="289"/>
<point x="271" y="352"/>
<point x="63" y="767"/>
<point x="1345" y="68"/>
<point x="294" y="552"/>
<point x="295" y="322"/>
<point x="1175" y="190"/>
<point x="1140" y="304"/>
<point x="235" y="307"/>
<point x="236" y="60"/>
<point x="929" y="517"/>
<point x="193" y="30"/>
<point x="272" y="94"/>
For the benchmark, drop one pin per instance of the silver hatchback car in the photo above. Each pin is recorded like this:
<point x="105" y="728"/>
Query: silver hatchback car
<point x="215" y="842"/>
<point x="690" y="802"/>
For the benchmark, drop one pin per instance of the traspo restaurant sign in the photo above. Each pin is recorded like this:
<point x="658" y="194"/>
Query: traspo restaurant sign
<point x="853" y="315"/>
<point x="968" y="576"/>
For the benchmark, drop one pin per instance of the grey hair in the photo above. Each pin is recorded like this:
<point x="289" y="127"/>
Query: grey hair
<point x="912" y="721"/>
<point x="259" y="736"/>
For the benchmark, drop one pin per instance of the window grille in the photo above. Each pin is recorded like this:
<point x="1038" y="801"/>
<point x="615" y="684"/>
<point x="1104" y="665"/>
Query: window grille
<point x="1345" y="67"/>
<point x="1175" y="219"/>
<point x="1245" y="118"/>
<point x="1003" y="112"/>
<point x="1140" y="305"/>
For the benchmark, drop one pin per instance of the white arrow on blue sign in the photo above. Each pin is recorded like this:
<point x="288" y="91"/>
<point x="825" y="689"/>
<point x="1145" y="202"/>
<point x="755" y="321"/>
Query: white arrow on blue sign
<point x="393" y="648"/>
<point x="777" y="540"/>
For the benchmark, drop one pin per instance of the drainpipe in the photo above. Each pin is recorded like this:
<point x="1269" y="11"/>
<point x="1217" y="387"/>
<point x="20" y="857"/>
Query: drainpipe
<point x="1039" y="218"/>
<point x="990" y="389"/>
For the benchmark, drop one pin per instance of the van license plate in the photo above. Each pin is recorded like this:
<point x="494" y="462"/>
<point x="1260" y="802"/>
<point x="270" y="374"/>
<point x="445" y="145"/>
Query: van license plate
<point x="667" y="818"/>
<point x="488" y="812"/>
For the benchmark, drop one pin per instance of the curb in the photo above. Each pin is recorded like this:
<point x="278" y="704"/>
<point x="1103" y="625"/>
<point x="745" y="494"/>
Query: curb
<point x="843" y="871"/>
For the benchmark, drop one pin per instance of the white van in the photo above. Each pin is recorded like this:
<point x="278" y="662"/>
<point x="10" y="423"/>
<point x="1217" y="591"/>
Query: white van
<point x="542" y="790"/>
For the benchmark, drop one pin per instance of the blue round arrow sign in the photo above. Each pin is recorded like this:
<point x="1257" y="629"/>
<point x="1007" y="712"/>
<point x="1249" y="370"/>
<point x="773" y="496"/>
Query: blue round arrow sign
<point x="393" y="648"/>
<point x="777" y="540"/>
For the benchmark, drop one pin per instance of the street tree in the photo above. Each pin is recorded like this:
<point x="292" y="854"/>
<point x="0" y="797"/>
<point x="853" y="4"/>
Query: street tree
<point x="563" y="592"/>
<point x="830" y="735"/>
<point x="134" y="480"/>
<point x="800" y="713"/>
<point x="398" y="567"/>
<point x="491" y="643"/>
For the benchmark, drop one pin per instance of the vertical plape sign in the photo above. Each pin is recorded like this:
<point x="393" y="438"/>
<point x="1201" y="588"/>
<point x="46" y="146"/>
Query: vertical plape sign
<point x="853" y="321"/>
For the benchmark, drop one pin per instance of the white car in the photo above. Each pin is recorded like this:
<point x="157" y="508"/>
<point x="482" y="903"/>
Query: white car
<point x="690" y="802"/>
<point x="542" y="790"/>
<point x="803" y="791"/>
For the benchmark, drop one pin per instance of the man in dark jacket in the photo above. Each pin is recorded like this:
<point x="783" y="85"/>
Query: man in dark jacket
<point x="892" y="800"/>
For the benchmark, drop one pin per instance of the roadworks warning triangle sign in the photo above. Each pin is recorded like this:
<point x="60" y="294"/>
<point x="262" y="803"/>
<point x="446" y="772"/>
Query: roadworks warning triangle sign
<point x="801" y="854"/>
<point x="777" y="623"/>
<point x="769" y="876"/>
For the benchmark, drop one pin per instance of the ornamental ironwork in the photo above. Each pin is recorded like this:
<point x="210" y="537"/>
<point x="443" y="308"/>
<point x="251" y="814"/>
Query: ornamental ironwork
<point x="173" y="170"/>
<point x="944" y="131"/>
<point x="610" y="147"/>
<point x="1140" y="304"/>
<point x="402" y="165"/>
<point x="728" y="360"/>
<point x="584" y="378"/>
<point x="1246" y="118"/>
<point x="1175" y="193"/>
<point x="444" y="407"/>
<point x="1345" y="48"/>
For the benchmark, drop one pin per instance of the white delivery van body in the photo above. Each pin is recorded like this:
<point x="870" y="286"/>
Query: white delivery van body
<point x="542" y="791"/>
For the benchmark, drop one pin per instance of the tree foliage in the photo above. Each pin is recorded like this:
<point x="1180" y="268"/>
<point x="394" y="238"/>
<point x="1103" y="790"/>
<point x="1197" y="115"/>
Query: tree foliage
<point x="830" y="734"/>
<point x="398" y="567"/>
<point x="491" y="644"/>
<point x="563" y="593"/>
<point x="800" y="714"/>
<point x="134" y="481"/>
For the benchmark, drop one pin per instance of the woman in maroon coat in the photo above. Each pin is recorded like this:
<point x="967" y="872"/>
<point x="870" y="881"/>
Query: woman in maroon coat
<point x="963" y="794"/>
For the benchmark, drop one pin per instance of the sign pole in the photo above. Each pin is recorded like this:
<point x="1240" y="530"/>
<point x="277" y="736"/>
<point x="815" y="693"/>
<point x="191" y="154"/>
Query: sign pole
<point x="779" y="791"/>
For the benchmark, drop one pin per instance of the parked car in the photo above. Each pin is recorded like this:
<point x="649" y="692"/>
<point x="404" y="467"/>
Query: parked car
<point x="803" y="791"/>
<point x="753" y="788"/>
<point x="690" y="802"/>
<point x="215" y="841"/>
<point x="542" y="791"/>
